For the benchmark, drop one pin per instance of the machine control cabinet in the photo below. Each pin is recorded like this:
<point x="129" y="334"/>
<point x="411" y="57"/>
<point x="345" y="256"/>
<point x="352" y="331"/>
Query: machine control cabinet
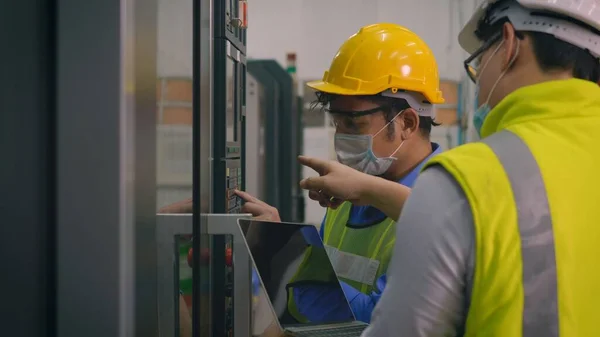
<point x="229" y="105"/>
<point x="283" y="142"/>
<point x="231" y="111"/>
<point x="229" y="96"/>
<point x="219" y="77"/>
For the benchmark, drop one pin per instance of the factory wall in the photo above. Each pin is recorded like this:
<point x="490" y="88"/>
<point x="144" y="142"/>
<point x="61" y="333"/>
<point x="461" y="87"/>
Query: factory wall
<point x="314" y="29"/>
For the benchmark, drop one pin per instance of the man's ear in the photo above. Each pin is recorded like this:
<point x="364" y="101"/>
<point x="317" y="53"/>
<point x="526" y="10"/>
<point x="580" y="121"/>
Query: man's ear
<point x="410" y="121"/>
<point x="510" y="44"/>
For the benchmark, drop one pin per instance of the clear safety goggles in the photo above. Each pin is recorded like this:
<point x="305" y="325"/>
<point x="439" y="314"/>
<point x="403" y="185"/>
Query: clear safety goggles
<point x="338" y="117"/>
<point x="473" y="63"/>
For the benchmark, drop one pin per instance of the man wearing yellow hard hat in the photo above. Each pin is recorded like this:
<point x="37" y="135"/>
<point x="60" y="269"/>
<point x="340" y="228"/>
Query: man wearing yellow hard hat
<point x="510" y="247"/>
<point x="379" y="91"/>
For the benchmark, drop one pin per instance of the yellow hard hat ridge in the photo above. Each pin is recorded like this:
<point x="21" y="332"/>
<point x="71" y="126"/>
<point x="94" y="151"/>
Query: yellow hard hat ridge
<point x="381" y="57"/>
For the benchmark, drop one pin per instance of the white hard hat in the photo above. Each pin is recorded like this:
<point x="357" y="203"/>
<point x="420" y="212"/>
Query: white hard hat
<point x="536" y="16"/>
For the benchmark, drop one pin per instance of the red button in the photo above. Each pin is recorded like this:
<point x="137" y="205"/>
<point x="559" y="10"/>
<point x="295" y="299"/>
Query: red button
<point x="228" y="257"/>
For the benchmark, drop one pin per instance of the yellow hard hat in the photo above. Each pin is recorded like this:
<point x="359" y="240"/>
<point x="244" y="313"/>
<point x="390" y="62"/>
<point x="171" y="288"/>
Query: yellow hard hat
<point x="382" y="57"/>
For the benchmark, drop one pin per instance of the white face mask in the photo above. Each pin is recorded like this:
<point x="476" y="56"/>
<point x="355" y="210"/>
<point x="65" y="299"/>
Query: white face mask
<point x="356" y="151"/>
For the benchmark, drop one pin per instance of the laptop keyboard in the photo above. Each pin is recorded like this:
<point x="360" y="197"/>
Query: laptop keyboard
<point x="346" y="331"/>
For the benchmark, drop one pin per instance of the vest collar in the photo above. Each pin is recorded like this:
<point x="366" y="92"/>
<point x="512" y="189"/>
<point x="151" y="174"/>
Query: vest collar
<point x="547" y="100"/>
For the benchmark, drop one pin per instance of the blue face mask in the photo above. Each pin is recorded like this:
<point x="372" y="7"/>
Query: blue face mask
<point x="484" y="109"/>
<point x="481" y="113"/>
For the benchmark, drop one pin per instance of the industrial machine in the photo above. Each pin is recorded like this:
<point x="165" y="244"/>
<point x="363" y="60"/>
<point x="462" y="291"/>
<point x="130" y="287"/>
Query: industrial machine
<point x="229" y="95"/>
<point x="246" y="124"/>
<point x="174" y="232"/>
<point x="202" y="244"/>
<point x="257" y="181"/>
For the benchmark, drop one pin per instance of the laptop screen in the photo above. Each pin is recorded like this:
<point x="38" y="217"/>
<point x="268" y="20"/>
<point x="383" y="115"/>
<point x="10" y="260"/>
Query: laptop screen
<point x="296" y="272"/>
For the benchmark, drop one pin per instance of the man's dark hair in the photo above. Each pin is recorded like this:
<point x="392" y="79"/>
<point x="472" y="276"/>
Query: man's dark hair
<point x="390" y="108"/>
<point x="554" y="54"/>
<point x="550" y="53"/>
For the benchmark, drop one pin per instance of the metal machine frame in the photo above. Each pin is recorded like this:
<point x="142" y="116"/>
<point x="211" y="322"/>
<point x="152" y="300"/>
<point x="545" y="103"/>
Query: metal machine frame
<point x="104" y="95"/>
<point x="78" y="168"/>
<point x="283" y="126"/>
<point x="216" y="41"/>
<point x="202" y="110"/>
<point x="254" y="136"/>
<point x="271" y="133"/>
<point x="299" y="126"/>
<point x="216" y="225"/>
<point x="218" y="38"/>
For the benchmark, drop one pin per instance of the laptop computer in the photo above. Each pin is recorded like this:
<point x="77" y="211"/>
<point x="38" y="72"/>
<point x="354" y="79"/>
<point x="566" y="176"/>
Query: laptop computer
<point x="277" y="250"/>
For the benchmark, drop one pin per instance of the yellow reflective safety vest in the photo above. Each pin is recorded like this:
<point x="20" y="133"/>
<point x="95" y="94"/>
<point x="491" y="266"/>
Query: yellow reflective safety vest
<point x="533" y="185"/>
<point x="360" y="255"/>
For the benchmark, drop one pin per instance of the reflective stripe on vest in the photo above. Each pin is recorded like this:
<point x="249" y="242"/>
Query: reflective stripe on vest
<point x="540" y="307"/>
<point x="366" y="249"/>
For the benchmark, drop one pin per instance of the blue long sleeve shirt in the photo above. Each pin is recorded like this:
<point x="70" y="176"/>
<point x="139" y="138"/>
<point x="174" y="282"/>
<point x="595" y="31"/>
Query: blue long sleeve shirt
<point x="317" y="302"/>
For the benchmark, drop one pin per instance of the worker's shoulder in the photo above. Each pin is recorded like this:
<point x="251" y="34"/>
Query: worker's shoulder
<point x="439" y="201"/>
<point x="436" y="178"/>
<point x="453" y="174"/>
<point x="475" y="156"/>
<point x="473" y="150"/>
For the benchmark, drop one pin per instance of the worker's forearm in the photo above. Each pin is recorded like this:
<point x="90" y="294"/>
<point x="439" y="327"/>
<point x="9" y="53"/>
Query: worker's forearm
<point x="387" y="196"/>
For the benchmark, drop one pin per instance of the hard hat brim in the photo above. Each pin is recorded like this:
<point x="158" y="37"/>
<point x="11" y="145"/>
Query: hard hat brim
<point x="335" y="89"/>
<point x="467" y="38"/>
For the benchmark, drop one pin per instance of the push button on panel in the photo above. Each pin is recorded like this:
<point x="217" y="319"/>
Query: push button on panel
<point x="233" y="149"/>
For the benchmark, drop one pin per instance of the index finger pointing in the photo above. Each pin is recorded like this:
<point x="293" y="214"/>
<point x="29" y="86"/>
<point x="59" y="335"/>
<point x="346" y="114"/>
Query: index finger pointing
<point x="247" y="197"/>
<point x="319" y="165"/>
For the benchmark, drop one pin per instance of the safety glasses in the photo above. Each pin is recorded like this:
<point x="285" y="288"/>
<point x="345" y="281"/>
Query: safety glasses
<point x="473" y="63"/>
<point x="349" y="118"/>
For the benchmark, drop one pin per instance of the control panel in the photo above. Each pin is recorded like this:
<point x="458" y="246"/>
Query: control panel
<point x="229" y="46"/>
<point x="232" y="153"/>
<point x="233" y="158"/>
<point x="219" y="79"/>
<point x="234" y="181"/>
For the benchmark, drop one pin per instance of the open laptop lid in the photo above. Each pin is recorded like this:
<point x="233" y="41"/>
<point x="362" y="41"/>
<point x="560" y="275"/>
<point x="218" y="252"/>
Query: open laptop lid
<point x="280" y="251"/>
